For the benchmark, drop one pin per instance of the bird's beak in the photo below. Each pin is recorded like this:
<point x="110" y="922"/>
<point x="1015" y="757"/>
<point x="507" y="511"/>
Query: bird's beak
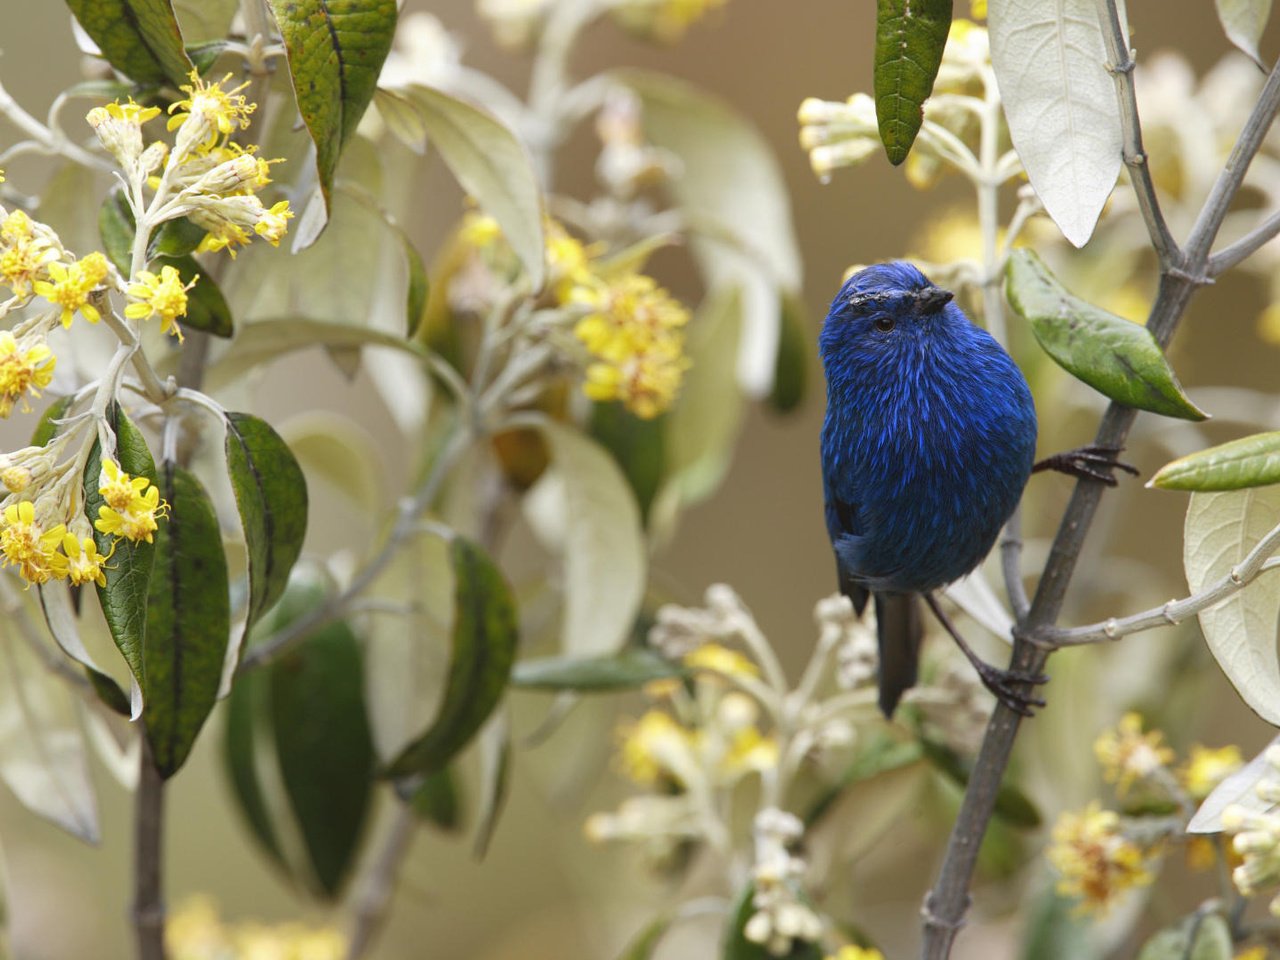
<point x="932" y="299"/>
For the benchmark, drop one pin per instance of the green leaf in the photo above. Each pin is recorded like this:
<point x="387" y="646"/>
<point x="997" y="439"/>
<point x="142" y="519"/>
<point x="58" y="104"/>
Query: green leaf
<point x="910" y="37"/>
<point x="495" y="780"/>
<point x="1119" y="359"/>
<point x="1055" y="931"/>
<point x="335" y="50"/>
<point x="124" y="598"/>
<point x="1248" y="462"/>
<point x="175" y="238"/>
<point x="646" y="941"/>
<point x="626" y="670"/>
<point x="116" y="225"/>
<point x="46" y="429"/>
<point x="795" y="345"/>
<point x="419" y="285"/>
<point x="492" y="165"/>
<point x="484" y="645"/>
<point x="436" y="800"/>
<point x="242" y="748"/>
<point x="738" y="947"/>
<point x="205" y="55"/>
<point x="271" y="495"/>
<point x="263" y="341"/>
<point x="1012" y="805"/>
<point x="638" y="447"/>
<point x="140" y="38"/>
<point x="188" y="620"/>
<point x="323" y="745"/>
<point x="1196" y="938"/>
<point x="1220" y="531"/>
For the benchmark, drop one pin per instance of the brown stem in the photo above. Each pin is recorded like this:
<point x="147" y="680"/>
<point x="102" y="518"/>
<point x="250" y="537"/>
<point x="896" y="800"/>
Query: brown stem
<point x="375" y="898"/>
<point x="148" y="897"/>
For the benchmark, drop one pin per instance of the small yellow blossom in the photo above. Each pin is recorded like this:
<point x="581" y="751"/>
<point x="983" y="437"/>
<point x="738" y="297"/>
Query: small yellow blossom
<point x="273" y="223"/>
<point x="15" y="478"/>
<point x="662" y="20"/>
<point x="163" y="296"/>
<point x="25" y="370"/>
<point x="24" y="256"/>
<point x="84" y="562"/>
<point x="194" y="931"/>
<point x="209" y="113"/>
<point x="479" y="231"/>
<point x="1126" y="754"/>
<point x="225" y="235"/>
<point x="132" y="505"/>
<point x="70" y="284"/>
<point x="1253" y="953"/>
<point x="654" y="746"/>
<point x="714" y="658"/>
<point x="29" y="547"/>
<point x="851" y="952"/>
<point x="568" y="262"/>
<point x="1095" y="861"/>
<point x="1207" y="767"/>
<point x="231" y="220"/>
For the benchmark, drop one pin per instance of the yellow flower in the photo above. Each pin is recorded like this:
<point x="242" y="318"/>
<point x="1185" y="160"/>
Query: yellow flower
<point x="15" y="478"/>
<point x="646" y="384"/>
<point x="714" y="658"/>
<point x="84" y="562"/>
<point x="24" y="370"/>
<point x="132" y="504"/>
<point x="71" y="285"/>
<point x="850" y="952"/>
<point x="479" y="231"/>
<point x="162" y="296"/>
<point x="23" y="255"/>
<point x="273" y="223"/>
<point x="1206" y="768"/>
<point x="29" y="547"/>
<point x="209" y="113"/>
<point x="128" y="112"/>
<point x="663" y="20"/>
<point x="1253" y="953"/>
<point x="1126" y="754"/>
<point x="225" y="235"/>
<point x="656" y="745"/>
<point x="568" y="262"/>
<point x="1095" y="861"/>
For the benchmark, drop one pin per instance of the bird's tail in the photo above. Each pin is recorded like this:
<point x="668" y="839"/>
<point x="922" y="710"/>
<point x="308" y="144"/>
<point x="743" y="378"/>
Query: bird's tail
<point x="899" y="631"/>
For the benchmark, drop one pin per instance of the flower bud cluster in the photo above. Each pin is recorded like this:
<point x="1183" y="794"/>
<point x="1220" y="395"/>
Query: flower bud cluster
<point x="781" y="917"/>
<point x="1256" y="837"/>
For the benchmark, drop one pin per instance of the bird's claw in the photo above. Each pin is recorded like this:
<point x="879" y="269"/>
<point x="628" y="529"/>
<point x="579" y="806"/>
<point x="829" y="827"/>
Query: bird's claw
<point x="1012" y="687"/>
<point x="1092" y="462"/>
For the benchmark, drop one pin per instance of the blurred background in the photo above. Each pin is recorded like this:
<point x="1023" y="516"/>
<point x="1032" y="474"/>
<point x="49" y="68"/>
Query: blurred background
<point x="543" y="891"/>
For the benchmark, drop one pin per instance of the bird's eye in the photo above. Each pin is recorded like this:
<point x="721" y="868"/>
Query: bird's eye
<point x="884" y="323"/>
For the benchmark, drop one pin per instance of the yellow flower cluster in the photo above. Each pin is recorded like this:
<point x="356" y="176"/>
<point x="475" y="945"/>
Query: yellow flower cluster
<point x="1095" y="861"/>
<point x="1207" y="767"/>
<point x="851" y="952"/>
<point x="663" y="20"/>
<point x="160" y="295"/>
<point x="195" y="932"/>
<point x="26" y="367"/>
<point x="39" y="537"/>
<point x="1128" y="755"/>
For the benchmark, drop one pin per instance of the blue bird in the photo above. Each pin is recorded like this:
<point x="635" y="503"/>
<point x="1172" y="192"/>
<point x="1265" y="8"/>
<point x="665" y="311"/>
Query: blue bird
<point x="928" y="441"/>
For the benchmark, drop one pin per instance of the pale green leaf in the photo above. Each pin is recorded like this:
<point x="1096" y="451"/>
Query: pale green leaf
<point x="1244" y="22"/>
<point x="1248" y="462"/>
<point x="340" y="451"/>
<point x="1196" y="938"/>
<point x="601" y="541"/>
<point x="1221" y="528"/>
<point x="42" y="752"/>
<point x="626" y="670"/>
<point x="1060" y="101"/>
<point x="1238" y="789"/>
<point x="402" y="118"/>
<point x="492" y="165"/>
<point x="140" y="38"/>
<point x="1119" y="359"/>
<point x="495" y="778"/>
<point x="733" y="195"/>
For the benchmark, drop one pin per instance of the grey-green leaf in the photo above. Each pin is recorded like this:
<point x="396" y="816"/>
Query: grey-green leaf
<point x="910" y="36"/>
<point x="791" y="370"/>
<point x="627" y="670"/>
<point x="1244" y="22"/>
<point x="46" y="429"/>
<point x="484" y="646"/>
<point x="1248" y="462"/>
<point x="140" y="38"/>
<point x="1196" y="938"/>
<point x="324" y="747"/>
<point x="436" y="800"/>
<point x="240" y="747"/>
<point x="646" y="941"/>
<point x="271" y="495"/>
<point x="493" y="166"/>
<point x="1119" y="359"/>
<point x="124" y="598"/>
<point x="335" y="50"/>
<point x="188" y="620"/>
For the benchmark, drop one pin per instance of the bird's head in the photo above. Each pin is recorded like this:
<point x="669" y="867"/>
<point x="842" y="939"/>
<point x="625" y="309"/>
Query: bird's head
<point x="882" y="300"/>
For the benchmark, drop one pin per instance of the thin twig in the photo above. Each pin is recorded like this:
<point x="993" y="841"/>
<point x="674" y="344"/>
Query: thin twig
<point x="379" y="883"/>
<point x="1246" y="246"/>
<point x="1135" y="156"/>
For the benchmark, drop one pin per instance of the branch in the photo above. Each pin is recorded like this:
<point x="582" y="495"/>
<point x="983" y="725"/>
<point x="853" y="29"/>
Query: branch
<point x="1120" y="66"/>
<point x="1246" y="246"/>
<point x="379" y="884"/>
<point x="148" y="900"/>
